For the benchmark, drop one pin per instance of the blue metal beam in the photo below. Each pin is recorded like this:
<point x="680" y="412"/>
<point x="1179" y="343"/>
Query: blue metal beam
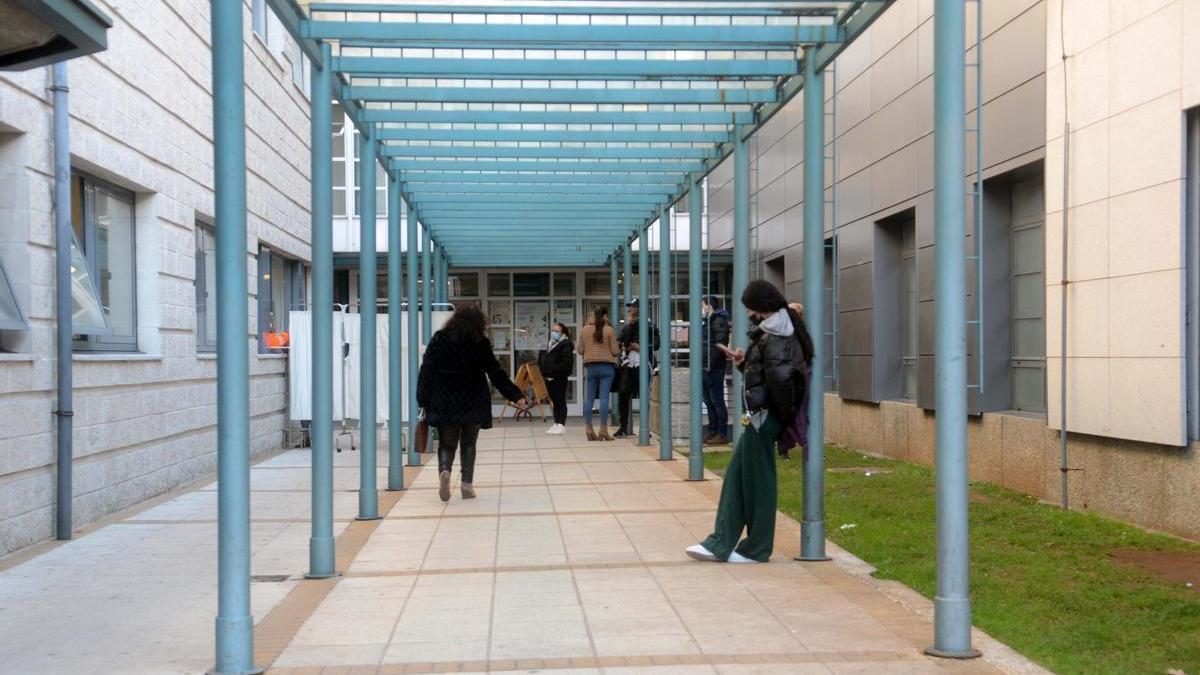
<point x="664" y="182"/>
<point x="535" y="189"/>
<point x="538" y="200"/>
<point x="812" y="526"/>
<point x="741" y="268"/>
<point x="321" y="552"/>
<point x="234" y="625"/>
<point x="952" y="602"/>
<point x="737" y="36"/>
<point x="568" y="68"/>
<point x="658" y="9"/>
<point x="435" y="211"/>
<point x="368" y="498"/>
<point x="393" y="94"/>
<point x="662" y="167"/>
<point x="696" y="358"/>
<point x="644" y="336"/>
<point x="640" y="117"/>
<point x="522" y="220"/>
<point x="413" y="332"/>
<point x="556" y="152"/>
<point x="665" y="451"/>
<point x="395" y="334"/>
<point x="526" y="136"/>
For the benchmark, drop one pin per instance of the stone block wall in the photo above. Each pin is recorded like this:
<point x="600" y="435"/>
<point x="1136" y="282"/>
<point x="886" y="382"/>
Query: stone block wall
<point x="1154" y="486"/>
<point x="141" y="118"/>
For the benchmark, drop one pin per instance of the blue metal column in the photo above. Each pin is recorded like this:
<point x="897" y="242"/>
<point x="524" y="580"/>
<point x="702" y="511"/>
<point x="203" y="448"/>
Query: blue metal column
<point x="695" y="347"/>
<point x="368" y="497"/>
<point x="664" y="327"/>
<point x="443" y="276"/>
<point x="644" y="337"/>
<point x="321" y="557"/>
<point x="616" y="321"/>
<point x="741" y="268"/>
<point x="951" y="604"/>
<point x="426" y="286"/>
<point x="812" y="527"/>
<point x="395" y="336"/>
<point x="234" y="625"/>
<point x="414" y="336"/>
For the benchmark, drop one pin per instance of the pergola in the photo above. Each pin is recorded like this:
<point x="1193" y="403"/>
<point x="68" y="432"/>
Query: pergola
<point x="554" y="134"/>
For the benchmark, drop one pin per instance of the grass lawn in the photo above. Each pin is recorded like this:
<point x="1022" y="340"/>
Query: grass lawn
<point x="1044" y="581"/>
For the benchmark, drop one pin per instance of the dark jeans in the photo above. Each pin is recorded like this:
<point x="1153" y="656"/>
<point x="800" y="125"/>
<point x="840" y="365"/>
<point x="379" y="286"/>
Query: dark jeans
<point x="714" y="401"/>
<point x="558" y="397"/>
<point x="449" y="438"/>
<point x="625" y="411"/>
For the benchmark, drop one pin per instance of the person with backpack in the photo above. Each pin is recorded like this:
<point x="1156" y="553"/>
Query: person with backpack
<point x="557" y="364"/>
<point x="775" y="369"/>
<point x="453" y="388"/>
<point x="628" y="382"/>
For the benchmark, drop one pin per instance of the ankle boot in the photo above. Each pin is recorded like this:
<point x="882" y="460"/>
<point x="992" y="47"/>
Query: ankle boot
<point x="604" y="435"/>
<point x="468" y="491"/>
<point x="444" y="485"/>
<point x="591" y="433"/>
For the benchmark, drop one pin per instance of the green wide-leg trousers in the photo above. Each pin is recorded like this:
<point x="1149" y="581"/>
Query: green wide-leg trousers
<point x="749" y="497"/>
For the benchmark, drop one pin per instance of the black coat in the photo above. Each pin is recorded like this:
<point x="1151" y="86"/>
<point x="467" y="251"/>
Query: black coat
<point x="630" y="333"/>
<point x="453" y="386"/>
<point x="775" y="374"/>
<point x="714" y="331"/>
<point x="559" y="360"/>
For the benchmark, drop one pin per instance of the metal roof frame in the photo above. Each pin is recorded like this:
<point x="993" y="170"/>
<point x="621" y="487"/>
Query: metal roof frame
<point x="563" y="127"/>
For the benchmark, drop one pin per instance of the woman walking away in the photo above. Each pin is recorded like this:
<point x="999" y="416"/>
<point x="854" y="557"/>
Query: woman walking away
<point x="453" y="389"/>
<point x="557" y="365"/>
<point x="775" y="381"/>
<point x="598" y="345"/>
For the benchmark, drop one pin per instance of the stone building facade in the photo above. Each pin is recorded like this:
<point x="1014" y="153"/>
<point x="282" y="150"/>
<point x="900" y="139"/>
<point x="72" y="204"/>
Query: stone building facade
<point x="141" y="156"/>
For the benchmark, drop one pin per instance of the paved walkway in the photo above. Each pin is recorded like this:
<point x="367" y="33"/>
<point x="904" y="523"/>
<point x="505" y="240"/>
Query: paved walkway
<point x="571" y="558"/>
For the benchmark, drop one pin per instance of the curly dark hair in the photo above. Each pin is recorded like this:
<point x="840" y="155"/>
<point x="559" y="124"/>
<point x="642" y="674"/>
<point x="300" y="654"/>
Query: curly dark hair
<point x="466" y="324"/>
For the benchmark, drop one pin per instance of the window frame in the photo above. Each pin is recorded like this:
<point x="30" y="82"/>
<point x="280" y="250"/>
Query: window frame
<point x="203" y="344"/>
<point x="87" y="342"/>
<point x="910" y="307"/>
<point x="19" y="322"/>
<point x="294" y="291"/>
<point x="1017" y="269"/>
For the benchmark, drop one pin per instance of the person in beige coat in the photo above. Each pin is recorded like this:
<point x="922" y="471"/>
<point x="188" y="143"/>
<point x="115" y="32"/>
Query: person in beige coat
<point x="598" y="346"/>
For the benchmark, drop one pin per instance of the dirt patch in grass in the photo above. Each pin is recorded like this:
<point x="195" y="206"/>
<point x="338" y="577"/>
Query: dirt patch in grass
<point x="1179" y="566"/>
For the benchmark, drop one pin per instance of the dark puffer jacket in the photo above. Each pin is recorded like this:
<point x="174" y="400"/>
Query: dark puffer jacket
<point x="453" y="387"/>
<point x="774" y="372"/>
<point x="559" y="360"/>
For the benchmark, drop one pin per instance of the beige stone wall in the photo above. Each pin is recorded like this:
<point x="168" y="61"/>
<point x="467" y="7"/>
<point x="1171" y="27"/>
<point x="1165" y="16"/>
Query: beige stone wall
<point x="1151" y="485"/>
<point x="1126" y="88"/>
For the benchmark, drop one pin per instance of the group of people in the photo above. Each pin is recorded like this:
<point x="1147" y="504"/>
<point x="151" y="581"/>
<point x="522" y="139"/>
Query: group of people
<point x="460" y="367"/>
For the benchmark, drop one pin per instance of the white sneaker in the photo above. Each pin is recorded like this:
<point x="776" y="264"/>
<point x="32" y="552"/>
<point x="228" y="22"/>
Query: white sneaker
<point x="553" y="429"/>
<point x="698" y="552"/>
<point x="558" y="429"/>
<point x="736" y="557"/>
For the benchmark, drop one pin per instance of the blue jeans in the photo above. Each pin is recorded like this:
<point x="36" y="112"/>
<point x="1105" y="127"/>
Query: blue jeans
<point x="714" y="401"/>
<point x="597" y="385"/>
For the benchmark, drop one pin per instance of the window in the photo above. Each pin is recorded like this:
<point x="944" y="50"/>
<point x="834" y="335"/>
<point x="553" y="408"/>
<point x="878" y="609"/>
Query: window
<point x="206" y="288"/>
<point x="281" y="288"/>
<point x="1027" y="293"/>
<point x="380" y="182"/>
<point x="258" y="18"/>
<point x="301" y="73"/>
<point x="10" y="314"/>
<point x="339" y="162"/>
<point x="908" y="307"/>
<point x="829" y="330"/>
<point x="464" y="285"/>
<point x="498" y="285"/>
<point x="531" y="285"/>
<point x="102" y="216"/>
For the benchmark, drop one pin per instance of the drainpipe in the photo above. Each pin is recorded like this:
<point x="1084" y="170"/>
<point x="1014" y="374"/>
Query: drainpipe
<point x="1063" y="469"/>
<point x="62" y="296"/>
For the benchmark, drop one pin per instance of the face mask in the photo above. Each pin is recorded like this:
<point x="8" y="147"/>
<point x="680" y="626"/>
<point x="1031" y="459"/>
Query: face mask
<point x="555" y="336"/>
